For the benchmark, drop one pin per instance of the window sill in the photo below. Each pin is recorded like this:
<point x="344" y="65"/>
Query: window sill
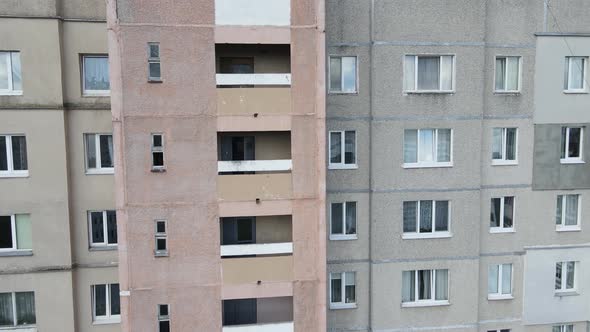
<point x="500" y="297"/>
<point x="87" y="94"/>
<point x="355" y="166"/>
<point x="152" y="80"/>
<point x="106" y="171"/>
<point x="161" y="254"/>
<point x="504" y="162"/>
<point x="343" y="93"/>
<point x="575" y="92"/>
<point x="107" y="321"/>
<point x="23" y="328"/>
<point x="339" y="237"/>
<point x="158" y="170"/>
<point x="341" y="306"/>
<point x="566" y="293"/>
<point x="498" y="230"/>
<point x="421" y="304"/>
<point x="437" y="165"/>
<point x="11" y="93"/>
<point x="104" y="248"/>
<point x="507" y="93"/>
<point x="15" y="175"/>
<point x="568" y="229"/>
<point x="435" y="235"/>
<point x="16" y="253"/>
<point x="430" y="92"/>
<point x="571" y="161"/>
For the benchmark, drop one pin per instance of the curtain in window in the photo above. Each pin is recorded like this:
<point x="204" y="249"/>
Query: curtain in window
<point x="349" y="74"/>
<point x="577" y="70"/>
<point x="557" y="328"/>
<point x="349" y="290"/>
<point x="506" y="278"/>
<point x="349" y="147"/>
<point x="558" y="210"/>
<point x="410" y="72"/>
<point x="351" y="218"/>
<point x="25" y="308"/>
<point x="4" y="70"/>
<point x="410" y="215"/>
<point x="424" y="285"/>
<point x="497" y="143"/>
<point x="335" y="74"/>
<point x="17" y="81"/>
<point x="571" y="210"/>
<point x="500" y="73"/>
<point x="91" y="151"/>
<point x="96" y="73"/>
<point x="442" y="285"/>
<point x="115" y="301"/>
<point x="512" y="76"/>
<point x="428" y="73"/>
<point x="442" y="216"/>
<point x="337" y="218"/>
<point x="24" y="238"/>
<point x="425" y="216"/>
<point x="510" y="143"/>
<point x="508" y="211"/>
<point x="336" y="287"/>
<point x="410" y="146"/>
<point x="446" y="73"/>
<point x="426" y="150"/>
<point x="558" y="274"/>
<point x="493" y="271"/>
<point x="495" y="212"/>
<point x="19" y="153"/>
<point x="3" y="154"/>
<point x="106" y="151"/>
<point x="569" y="328"/>
<point x="444" y="145"/>
<point x="566" y="73"/>
<point x="6" y="314"/>
<point x="408" y="286"/>
<point x="571" y="272"/>
<point x="335" y="148"/>
<point x="112" y="227"/>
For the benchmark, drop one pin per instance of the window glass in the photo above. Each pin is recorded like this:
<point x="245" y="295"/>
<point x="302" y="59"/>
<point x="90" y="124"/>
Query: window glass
<point x="500" y="73"/>
<point x="442" y="216"/>
<point x="571" y="210"/>
<point x="558" y="275"/>
<point x="17" y="81"/>
<point x="23" y="231"/>
<point x="495" y="213"/>
<point x="97" y="225"/>
<point x="410" y="215"/>
<point x="6" y="241"/>
<point x="4" y="70"/>
<point x="337" y="218"/>
<point x="25" y="308"/>
<point x="507" y="279"/>
<point x="91" y="151"/>
<point x="428" y="73"/>
<point x="335" y="74"/>
<point x="245" y="230"/>
<point x="426" y="150"/>
<point x="424" y="285"/>
<point x="335" y="147"/>
<point x="350" y="217"/>
<point x="493" y="272"/>
<point x="349" y="74"/>
<point x="443" y="145"/>
<point x="100" y="300"/>
<point x="154" y="68"/>
<point x="106" y="151"/>
<point x="96" y="73"/>
<point x="410" y="146"/>
<point x="349" y="147"/>
<point x="3" y="154"/>
<point x="425" y="216"/>
<point x="350" y="287"/>
<point x="571" y="272"/>
<point x="6" y="309"/>
<point x="336" y="287"/>
<point x="112" y="227"/>
<point x="408" y="286"/>
<point x="19" y="153"/>
<point x="115" y="301"/>
<point x="442" y="285"/>
<point x="508" y="211"/>
<point x="510" y="143"/>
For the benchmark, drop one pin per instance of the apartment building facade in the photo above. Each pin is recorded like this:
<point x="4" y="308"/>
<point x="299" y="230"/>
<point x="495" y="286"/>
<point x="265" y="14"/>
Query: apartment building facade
<point x="459" y="204"/>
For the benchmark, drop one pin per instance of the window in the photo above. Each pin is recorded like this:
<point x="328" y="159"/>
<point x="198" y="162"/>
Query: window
<point x="575" y="74"/>
<point x="17" y="309"/>
<point x="429" y="73"/>
<point x="15" y="232"/>
<point x="99" y="153"/>
<point x="154" y="74"/>
<point x="343" y="74"/>
<point x="504" y="146"/>
<point x="238" y="230"/>
<point x="502" y="214"/>
<point x="105" y="303"/>
<point x="428" y="148"/>
<point x="102" y="226"/>
<point x="10" y="74"/>
<point x="13" y="156"/>
<point x="95" y="80"/>
<point x="567" y="213"/>
<point x="507" y="74"/>
<point x="342" y="290"/>
<point x="157" y="152"/>
<point x="163" y="318"/>
<point x="571" y="144"/>
<point x="565" y="277"/>
<point x="343" y="221"/>
<point x="161" y="238"/>
<point x="502" y="330"/>
<point x="563" y="328"/>
<point x="500" y="282"/>
<point x="424" y="219"/>
<point x="342" y="149"/>
<point x="425" y="287"/>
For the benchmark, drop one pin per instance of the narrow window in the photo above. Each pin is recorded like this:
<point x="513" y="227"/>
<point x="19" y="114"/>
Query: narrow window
<point x="502" y="214"/>
<point x="342" y="290"/>
<point x="567" y="212"/>
<point x="15" y="232"/>
<point x="342" y="149"/>
<point x="427" y="148"/>
<point x="571" y="144"/>
<point x="343" y="74"/>
<point x="425" y="287"/>
<point x="154" y="73"/>
<point x="429" y="73"/>
<point x="158" y="152"/>
<point x="161" y="236"/>
<point x="507" y="74"/>
<point x="13" y="156"/>
<point x="343" y="221"/>
<point x="105" y="303"/>
<point x="575" y="74"/>
<point x="99" y="153"/>
<point x="500" y="282"/>
<point x="163" y="318"/>
<point x="17" y="309"/>
<point x="563" y="328"/>
<point x="95" y="75"/>
<point x="10" y="74"/>
<point x="102" y="226"/>
<point x="504" y="143"/>
<point x="502" y="330"/>
<point x="423" y="219"/>
<point x="565" y="276"/>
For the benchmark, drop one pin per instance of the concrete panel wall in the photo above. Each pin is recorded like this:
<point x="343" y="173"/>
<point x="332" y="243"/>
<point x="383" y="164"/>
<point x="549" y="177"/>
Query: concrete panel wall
<point x="84" y="279"/>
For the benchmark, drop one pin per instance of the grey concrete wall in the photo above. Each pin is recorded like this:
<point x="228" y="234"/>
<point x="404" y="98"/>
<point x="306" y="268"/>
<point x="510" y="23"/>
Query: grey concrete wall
<point x="84" y="278"/>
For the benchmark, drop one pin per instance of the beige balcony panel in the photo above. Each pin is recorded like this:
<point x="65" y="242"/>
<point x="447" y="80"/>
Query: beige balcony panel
<point x="249" y="187"/>
<point x="247" y="270"/>
<point x="247" y="101"/>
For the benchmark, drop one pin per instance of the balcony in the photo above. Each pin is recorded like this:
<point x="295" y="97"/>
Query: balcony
<point x="256" y="236"/>
<point x="274" y="314"/>
<point x="253" y="12"/>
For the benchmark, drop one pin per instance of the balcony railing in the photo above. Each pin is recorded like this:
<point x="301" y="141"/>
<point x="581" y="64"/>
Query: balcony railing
<point x="253" y="12"/>
<point x="254" y="79"/>
<point x="281" y="165"/>
<point x="270" y="327"/>
<point x="257" y="249"/>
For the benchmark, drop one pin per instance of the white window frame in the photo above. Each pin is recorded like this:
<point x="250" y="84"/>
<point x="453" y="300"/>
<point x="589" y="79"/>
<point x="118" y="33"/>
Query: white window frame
<point x="356" y="81"/>
<point x="503" y="161"/>
<point x="22" y="327"/>
<point x="433" y="164"/>
<point x="506" y="91"/>
<point x="562" y="227"/>
<point x="428" y="235"/>
<point x="10" y="91"/>
<point x="163" y="318"/>
<point x="342" y="164"/>
<point x="501" y="228"/>
<point x="93" y="93"/>
<point x="564" y="327"/>
<point x="14" y="236"/>
<point x="584" y="75"/>
<point x="105" y="243"/>
<point x="344" y="236"/>
<point x="99" y="169"/>
<point x="158" y="149"/>
<point x="564" y="274"/>
<point x="108" y="318"/>
<point x="432" y="301"/>
<point x="499" y="295"/>
<point x="343" y="304"/>
<point x="154" y="60"/>
<point x="426" y="55"/>
<point x="11" y="173"/>
<point x="160" y="235"/>
<point x="573" y="160"/>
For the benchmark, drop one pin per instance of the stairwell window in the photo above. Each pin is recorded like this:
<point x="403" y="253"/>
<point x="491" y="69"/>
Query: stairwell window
<point x="95" y="75"/>
<point x="161" y="236"/>
<point x="426" y="219"/>
<point x="99" y="153"/>
<point x="502" y="215"/>
<point x="16" y="233"/>
<point x="102" y="227"/>
<point x="13" y="156"/>
<point x="567" y="214"/>
<point x="17" y="310"/>
<point x="504" y="146"/>
<point x="343" y="74"/>
<point x="425" y="288"/>
<point x="343" y="290"/>
<point x="154" y="72"/>
<point x="563" y="328"/>
<point x="575" y="74"/>
<point x="163" y="318"/>
<point x="158" y="153"/>
<point x="342" y="149"/>
<point x="507" y="79"/>
<point x="10" y="74"/>
<point x="565" y="277"/>
<point x="106" y="308"/>
<point x="500" y="282"/>
<point x="343" y="221"/>
<point x="429" y="73"/>
<point x="428" y="148"/>
<point x="571" y="145"/>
